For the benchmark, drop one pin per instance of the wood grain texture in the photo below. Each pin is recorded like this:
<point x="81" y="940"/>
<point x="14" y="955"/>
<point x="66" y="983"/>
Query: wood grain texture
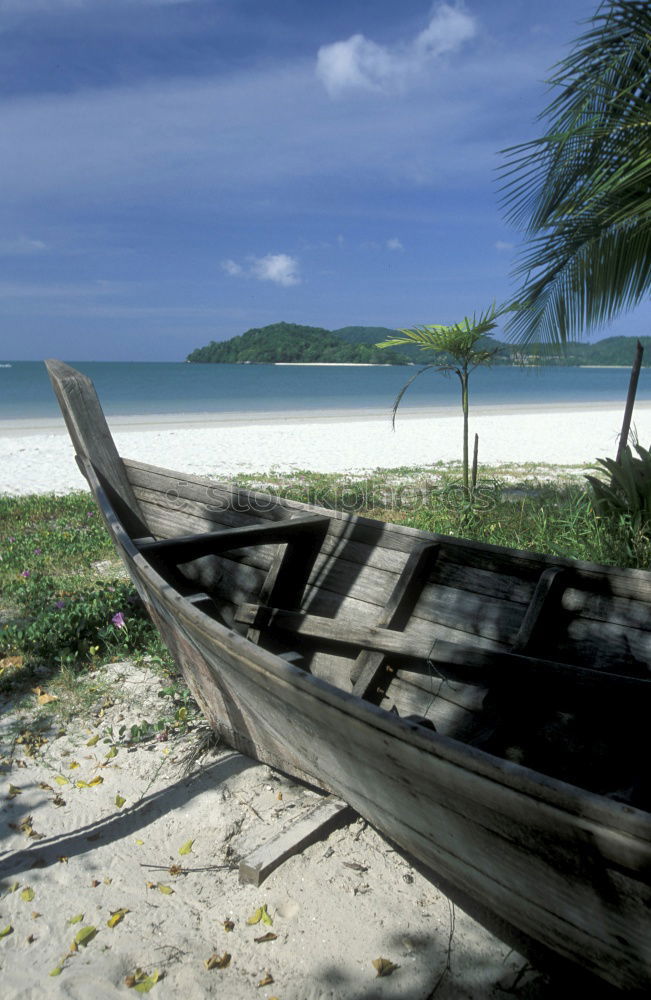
<point x="325" y="817"/>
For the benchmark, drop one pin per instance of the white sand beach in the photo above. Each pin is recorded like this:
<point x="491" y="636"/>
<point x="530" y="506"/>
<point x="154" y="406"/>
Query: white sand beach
<point x="95" y="827"/>
<point x="36" y="456"/>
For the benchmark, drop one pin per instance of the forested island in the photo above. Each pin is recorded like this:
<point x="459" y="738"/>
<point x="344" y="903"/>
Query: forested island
<point x="291" y="343"/>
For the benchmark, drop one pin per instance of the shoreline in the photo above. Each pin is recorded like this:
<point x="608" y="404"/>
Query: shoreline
<point x="145" y="422"/>
<point x="40" y="459"/>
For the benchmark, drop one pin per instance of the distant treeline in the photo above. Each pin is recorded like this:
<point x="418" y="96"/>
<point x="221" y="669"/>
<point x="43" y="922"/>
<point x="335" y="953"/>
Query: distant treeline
<point x="290" y="342"/>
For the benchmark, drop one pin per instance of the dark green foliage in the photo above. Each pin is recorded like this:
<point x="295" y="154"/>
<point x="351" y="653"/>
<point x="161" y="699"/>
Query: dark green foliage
<point x="71" y="626"/>
<point x="625" y="492"/>
<point x="290" y="342"/>
<point x="54" y="608"/>
<point x="372" y="335"/>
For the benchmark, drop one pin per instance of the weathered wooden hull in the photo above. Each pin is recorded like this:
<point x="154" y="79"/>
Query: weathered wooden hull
<point x="569" y="868"/>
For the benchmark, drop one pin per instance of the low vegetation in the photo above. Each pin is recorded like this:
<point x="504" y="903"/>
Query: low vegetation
<point x="66" y="608"/>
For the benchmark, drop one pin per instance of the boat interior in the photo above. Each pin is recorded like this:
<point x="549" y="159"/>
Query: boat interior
<point x="540" y="661"/>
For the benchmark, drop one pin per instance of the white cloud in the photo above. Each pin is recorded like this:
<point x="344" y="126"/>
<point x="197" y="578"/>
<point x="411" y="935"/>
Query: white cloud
<point x="232" y="268"/>
<point x="394" y="244"/>
<point x="21" y="247"/>
<point x="277" y="267"/>
<point x="361" y="64"/>
<point x="501" y="245"/>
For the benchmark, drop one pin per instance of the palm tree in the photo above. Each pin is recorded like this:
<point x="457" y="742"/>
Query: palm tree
<point x="460" y="351"/>
<point x="583" y="190"/>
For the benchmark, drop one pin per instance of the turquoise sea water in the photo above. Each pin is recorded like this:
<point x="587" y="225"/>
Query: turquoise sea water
<point x="141" y="388"/>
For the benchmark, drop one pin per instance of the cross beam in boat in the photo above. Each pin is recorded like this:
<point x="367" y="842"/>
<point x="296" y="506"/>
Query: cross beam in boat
<point x="184" y="548"/>
<point x="464" y="663"/>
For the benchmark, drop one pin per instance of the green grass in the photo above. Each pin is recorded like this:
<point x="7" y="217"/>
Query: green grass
<point x="61" y="586"/>
<point x="541" y="508"/>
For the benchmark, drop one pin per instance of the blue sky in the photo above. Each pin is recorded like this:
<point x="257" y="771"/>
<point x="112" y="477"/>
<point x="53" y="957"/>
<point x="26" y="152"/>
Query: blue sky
<point x="177" y="171"/>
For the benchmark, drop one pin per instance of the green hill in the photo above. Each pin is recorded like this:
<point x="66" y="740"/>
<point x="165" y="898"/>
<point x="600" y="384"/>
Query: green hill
<point x="290" y="342"/>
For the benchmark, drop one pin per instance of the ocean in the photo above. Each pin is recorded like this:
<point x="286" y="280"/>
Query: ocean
<point x="142" y="388"/>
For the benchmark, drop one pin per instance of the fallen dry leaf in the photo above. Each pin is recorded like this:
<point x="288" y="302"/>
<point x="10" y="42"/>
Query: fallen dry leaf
<point x="383" y="966"/>
<point x="266" y="980"/>
<point x="187" y="847"/>
<point x="229" y="925"/>
<point x="27" y="895"/>
<point x="13" y="792"/>
<point x="25" y="826"/>
<point x="142" y="982"/>
<point x="269" y="936"/>
<point x="11" y="661"/>
<point x="218" y="961"/>
<point x="260" y="915"/>
<point x="116" y="917"/>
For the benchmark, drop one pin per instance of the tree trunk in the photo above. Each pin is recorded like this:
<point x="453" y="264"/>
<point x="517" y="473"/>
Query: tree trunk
<point x="463" y="376"/>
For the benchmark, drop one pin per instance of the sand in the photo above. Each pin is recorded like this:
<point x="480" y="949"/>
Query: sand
<point x="335" y="908"/>
<point x="36" y="456"/>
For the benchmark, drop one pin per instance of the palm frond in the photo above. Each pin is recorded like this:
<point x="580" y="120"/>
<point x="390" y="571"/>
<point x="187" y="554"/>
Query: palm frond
<point x="582" y="192"/>
<point x="398" y="398"/>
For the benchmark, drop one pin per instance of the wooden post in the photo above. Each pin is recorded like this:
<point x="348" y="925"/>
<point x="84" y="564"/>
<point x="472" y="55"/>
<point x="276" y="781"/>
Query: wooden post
<point x="630" y="401"/>
<point x="475" y="458"/>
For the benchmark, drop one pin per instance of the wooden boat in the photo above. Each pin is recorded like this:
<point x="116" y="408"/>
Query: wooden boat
<point x="484" y="708"/>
